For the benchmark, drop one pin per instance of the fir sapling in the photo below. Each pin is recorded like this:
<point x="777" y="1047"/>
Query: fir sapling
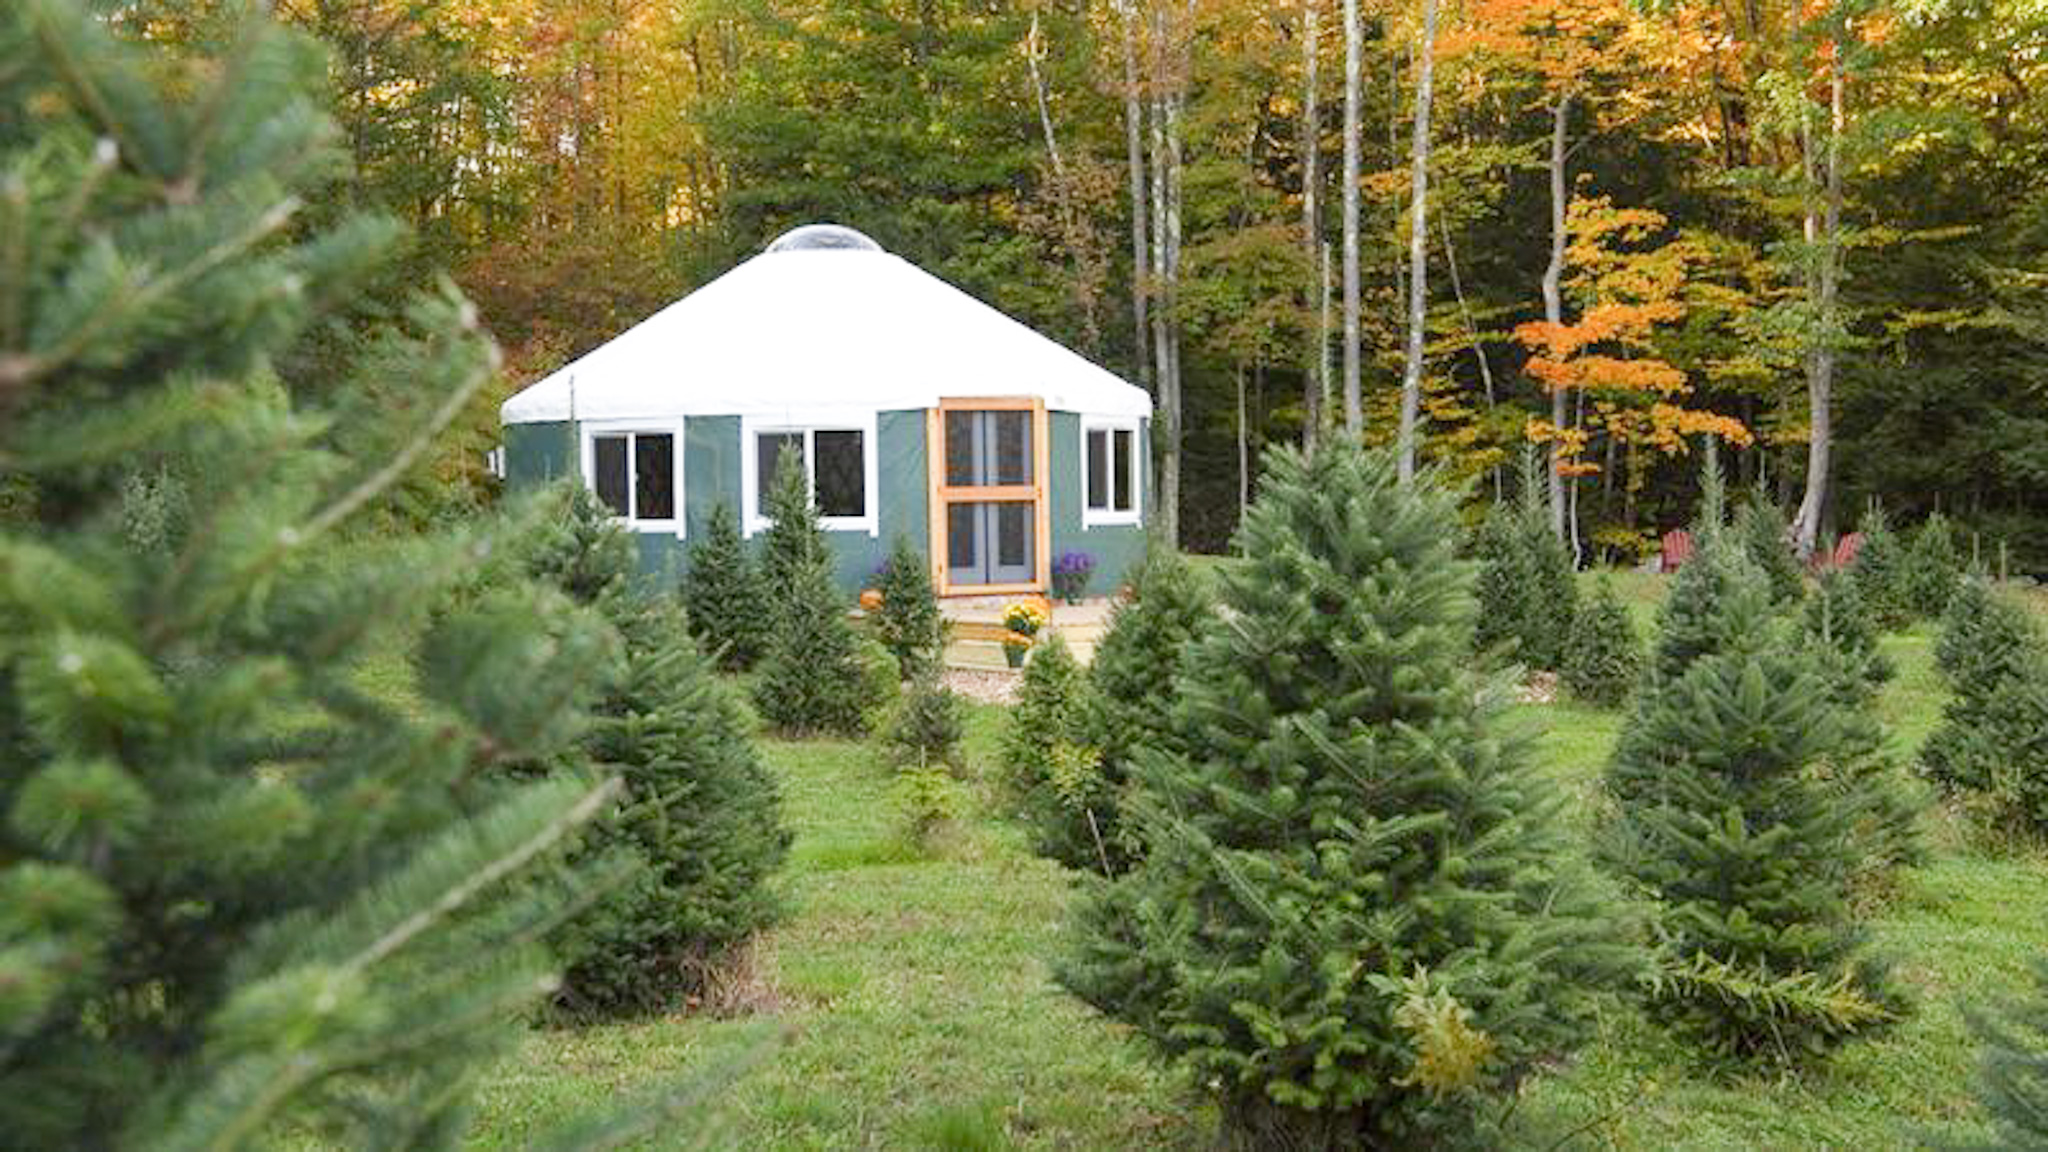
<point x="1050" y="731"/>
<point x="702" y="813"/>
<point x="254" y="890"/>
<point x="1767" y="540"/>
<point x="1880" y="572"/>
<point x="724" y="594"/>
<point x="1604" y="656"/>
<point x="816" y="677"/>
<point x="908" y="621"/>
<point x="1134" y="671"/>
<point x="1731" y="826"/>
<point x="1359" y="918"/>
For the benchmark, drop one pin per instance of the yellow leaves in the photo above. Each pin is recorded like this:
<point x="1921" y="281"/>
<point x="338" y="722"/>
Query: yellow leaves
<point x="1450" y="1054"/>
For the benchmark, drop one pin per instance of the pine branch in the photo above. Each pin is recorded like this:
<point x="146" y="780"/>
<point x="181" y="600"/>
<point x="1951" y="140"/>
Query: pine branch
<point x="377" y="482"/>
<point x="20" y="370"/>
<point x="452" y="901"/>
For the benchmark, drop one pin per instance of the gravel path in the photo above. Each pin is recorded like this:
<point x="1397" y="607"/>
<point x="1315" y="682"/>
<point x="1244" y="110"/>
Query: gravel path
<point x="987" y="687"/>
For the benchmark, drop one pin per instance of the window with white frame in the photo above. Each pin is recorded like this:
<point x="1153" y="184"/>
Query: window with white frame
<point x="1109" y="472"/>
<point x="837" y="461"/>
<point x="637" y="475"/>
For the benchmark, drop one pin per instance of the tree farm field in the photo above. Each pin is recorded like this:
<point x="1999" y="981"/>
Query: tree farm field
<point x="906" y="1000"/>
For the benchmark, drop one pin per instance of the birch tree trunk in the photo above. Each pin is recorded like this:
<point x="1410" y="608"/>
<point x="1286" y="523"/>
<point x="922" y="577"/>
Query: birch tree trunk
<point x="1553" y="311"/>
<point x="1170" y="381"/>
<point x="1354" y="399"/>
<point x="1312" y="225"/>
<point x="1418" y="247"/>
<point x="1820" y="372"/>
<point x="1034" y="46"/>
<point x="1134" y="148"/>
<point x="1162" y="386"/>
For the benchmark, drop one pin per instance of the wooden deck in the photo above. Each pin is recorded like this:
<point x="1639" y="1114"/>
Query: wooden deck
<point x="978" y="629"/>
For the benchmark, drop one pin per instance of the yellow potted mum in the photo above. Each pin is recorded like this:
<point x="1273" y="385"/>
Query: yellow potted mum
<point x="1022" y="620"/>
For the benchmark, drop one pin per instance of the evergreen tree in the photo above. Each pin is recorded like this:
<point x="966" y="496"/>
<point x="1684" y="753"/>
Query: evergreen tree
<point x="793" y="543"/>
<point x="1503" y="582"/>
<point x="1836" y="618"/>
<point x="908" y="622"/>
<point x="1880" y="573"/>
<point x="926" y="726"/>
<point x="1133" y="674"/>
<point x="1692" y="622"/>
<point x="1932" y="568"/>
<point x="1728" y="822"/>
<point x="1358" y="912"/>
<point x="1527" y="592"/>
<point x="1604" y="657"/>
<point x="724" y="594"/>
<point x="1990" y="650"/>
<point x="1050" y="764"/>
<point x="1767" y="541"/>
<point x="2012" y="1075"/>
<point x="813" y="679"/>
<point x="248" y="893"/>
<point x="701" y="817"/>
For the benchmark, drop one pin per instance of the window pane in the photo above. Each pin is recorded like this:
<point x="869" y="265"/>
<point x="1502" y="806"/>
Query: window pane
<point x="962" y="556"/>
<point x="1126" y="452"/>
<point x="609" y="459"/>
<point x="654" y="473"/>
<point x="1013" y="447"/>
<point x="1098" y="470"/>
<point x="960" y="449"/>
<point x="841" y="479"/>
<point x="1013" y="535"/>
<point x="768" y="450"/>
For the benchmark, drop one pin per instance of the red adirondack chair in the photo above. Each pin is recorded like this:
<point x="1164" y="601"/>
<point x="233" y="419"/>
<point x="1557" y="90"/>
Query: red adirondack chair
<point x="1676" y="551"/>
<point x="1845" y="550"/>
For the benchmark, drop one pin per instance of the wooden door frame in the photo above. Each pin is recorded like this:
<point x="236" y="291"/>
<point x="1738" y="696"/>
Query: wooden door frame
<point x="943" y="496"/>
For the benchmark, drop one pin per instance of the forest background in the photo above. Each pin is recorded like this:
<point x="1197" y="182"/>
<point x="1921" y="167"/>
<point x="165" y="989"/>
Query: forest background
<point x="1771" y="221"/>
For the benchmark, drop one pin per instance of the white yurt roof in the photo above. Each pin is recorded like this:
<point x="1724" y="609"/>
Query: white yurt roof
<point x="823" y="320"/>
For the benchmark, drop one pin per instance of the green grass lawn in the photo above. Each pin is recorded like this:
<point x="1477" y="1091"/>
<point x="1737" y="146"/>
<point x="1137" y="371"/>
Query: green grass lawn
<point x="909" y="1001"/>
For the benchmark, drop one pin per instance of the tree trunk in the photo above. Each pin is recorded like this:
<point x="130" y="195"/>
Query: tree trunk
<point x="1354" y="399"/>
<point x="1034" y="45"/>
<point x="1134" y="148"/>
<point x="1169" y="475"/>
<point x="1471" y="334"/>
<point x="1418" y="248"/>
<point x="1820" y="372"/>
<point x="1311" y="223"/>
<point x="1244" y="463"/>
<point x="1553" y="303"/>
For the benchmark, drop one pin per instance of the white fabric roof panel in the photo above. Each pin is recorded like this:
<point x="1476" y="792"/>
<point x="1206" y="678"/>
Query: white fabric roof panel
<point x="806" y="327"/>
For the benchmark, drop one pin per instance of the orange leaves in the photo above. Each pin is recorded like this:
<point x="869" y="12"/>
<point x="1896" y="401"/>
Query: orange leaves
<point x="1628" y="288"/>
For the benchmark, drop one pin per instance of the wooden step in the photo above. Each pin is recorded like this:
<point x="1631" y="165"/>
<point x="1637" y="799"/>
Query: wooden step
<point x="987" y="655"/>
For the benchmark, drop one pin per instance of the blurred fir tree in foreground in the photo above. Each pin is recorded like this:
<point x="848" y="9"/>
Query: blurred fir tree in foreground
<point x="247" y="881"/>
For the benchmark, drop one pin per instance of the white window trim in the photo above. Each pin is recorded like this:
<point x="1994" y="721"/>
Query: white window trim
<point x="1106" y="517"/>
<point x="808" y="425"/>
<point x="590" y="430"/>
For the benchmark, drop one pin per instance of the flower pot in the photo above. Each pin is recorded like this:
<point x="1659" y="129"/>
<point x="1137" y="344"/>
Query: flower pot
<point x="1014" y="655"/>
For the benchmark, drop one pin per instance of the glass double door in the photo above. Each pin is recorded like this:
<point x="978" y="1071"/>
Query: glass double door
<point x="990" y="541"/>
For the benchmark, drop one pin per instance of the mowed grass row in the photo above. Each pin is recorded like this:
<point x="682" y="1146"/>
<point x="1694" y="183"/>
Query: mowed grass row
<point x="907" y="1002"/>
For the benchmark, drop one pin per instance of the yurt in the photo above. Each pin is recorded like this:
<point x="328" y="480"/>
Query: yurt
<point x="917" y="411"/>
